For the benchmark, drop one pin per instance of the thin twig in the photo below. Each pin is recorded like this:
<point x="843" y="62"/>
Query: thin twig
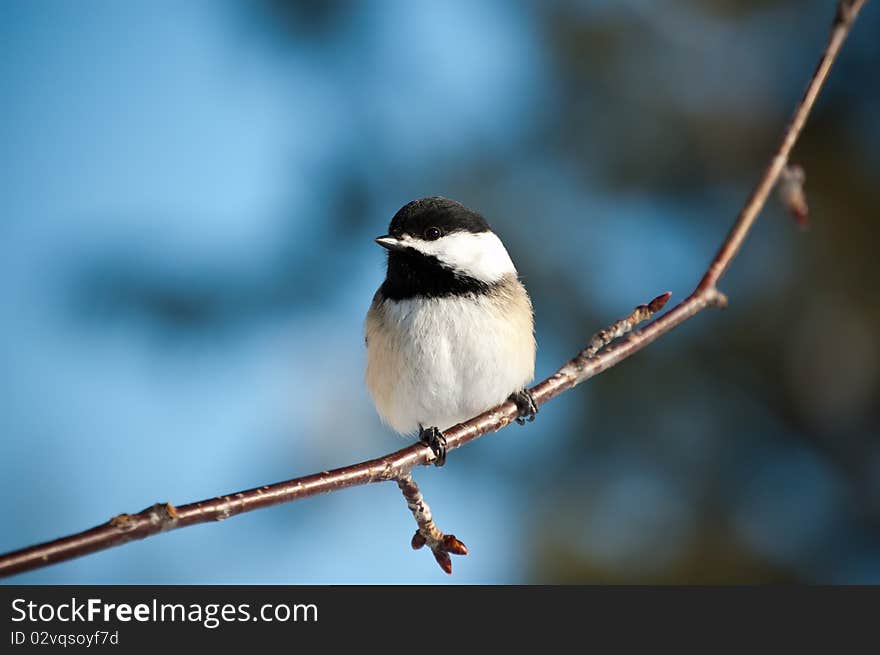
<point x="428" y="534"/>
<point x="625" y="325"/>
<point x="397" y="465"/>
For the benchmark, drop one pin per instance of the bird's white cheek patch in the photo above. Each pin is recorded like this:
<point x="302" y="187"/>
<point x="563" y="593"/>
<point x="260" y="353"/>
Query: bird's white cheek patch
<point x="480" y="256"/>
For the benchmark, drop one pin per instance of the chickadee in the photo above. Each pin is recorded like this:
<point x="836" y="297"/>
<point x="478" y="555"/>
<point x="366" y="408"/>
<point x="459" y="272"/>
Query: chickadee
<point x="450" y="332"/>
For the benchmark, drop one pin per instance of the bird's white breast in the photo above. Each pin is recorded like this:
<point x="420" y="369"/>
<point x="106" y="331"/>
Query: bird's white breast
<point x="440" y="361"/>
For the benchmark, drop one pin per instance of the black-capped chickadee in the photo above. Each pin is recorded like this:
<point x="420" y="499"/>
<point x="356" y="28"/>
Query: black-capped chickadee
<point x="450" y="332"/>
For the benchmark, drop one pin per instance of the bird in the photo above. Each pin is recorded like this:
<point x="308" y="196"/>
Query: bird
<point x="450" y="331"/>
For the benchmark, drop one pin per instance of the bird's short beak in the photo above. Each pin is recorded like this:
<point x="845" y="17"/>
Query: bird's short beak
<point x="389" y="242"/>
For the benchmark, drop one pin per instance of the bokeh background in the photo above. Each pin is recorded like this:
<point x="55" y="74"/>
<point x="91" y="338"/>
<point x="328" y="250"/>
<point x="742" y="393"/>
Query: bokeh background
<point x="189" y="193"/>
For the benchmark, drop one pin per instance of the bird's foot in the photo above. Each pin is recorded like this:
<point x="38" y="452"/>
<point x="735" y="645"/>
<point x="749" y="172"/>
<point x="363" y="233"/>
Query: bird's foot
<point x="433" y="438"/>
<point x="526" y="405"/>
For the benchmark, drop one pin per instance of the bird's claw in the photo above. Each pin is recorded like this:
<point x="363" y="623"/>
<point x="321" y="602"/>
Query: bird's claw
<point x="436" y="441"/>
<point x="526" y="405"/>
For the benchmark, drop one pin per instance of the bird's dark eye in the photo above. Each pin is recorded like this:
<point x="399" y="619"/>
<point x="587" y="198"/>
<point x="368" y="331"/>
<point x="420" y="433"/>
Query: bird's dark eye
<point x="433" y="233"/>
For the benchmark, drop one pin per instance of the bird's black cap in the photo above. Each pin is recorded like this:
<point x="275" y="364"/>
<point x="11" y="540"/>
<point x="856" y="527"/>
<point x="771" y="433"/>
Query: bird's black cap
<point x="413" y="273"/>
<point x="447" y="215"/>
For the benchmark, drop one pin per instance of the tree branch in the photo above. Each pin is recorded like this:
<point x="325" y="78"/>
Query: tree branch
<point x="599" y="355"/>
